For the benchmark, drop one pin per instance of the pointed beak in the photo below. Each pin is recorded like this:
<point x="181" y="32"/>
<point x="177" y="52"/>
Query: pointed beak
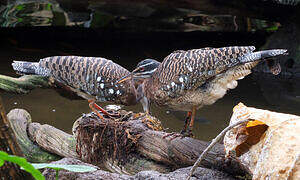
<point x="124" y="78"/>
<point x="128" y="77"/>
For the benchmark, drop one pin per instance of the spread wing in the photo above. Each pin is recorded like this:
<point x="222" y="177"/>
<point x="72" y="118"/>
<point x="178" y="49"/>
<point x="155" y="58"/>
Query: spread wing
<point x="185" y="70"/>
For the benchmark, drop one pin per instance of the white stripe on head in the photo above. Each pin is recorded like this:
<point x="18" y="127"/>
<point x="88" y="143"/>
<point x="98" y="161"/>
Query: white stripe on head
<point x="148" y="72"/>
<point x="147" y="64"/>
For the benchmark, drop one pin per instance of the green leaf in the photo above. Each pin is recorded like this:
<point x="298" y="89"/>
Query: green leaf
<point x="1" y="162"/>
<point x="48" y="7"/>
<point x="272" y="28"/>
<point x="23" y="163"/>
<point x="73" y="168"/>
<point x="20" y="7"/>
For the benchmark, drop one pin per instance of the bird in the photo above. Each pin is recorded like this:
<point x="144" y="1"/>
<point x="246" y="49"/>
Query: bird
<point x="189" y="80"/>
<point x="91" y="78"/>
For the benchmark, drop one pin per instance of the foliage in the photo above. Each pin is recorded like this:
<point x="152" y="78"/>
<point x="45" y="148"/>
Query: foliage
<point x="21" y="162"/>
<point x="73" y="168"/>
<point x="33" y="168"/>
<point x="58" y="167"/>
<point x="272" y="28"/>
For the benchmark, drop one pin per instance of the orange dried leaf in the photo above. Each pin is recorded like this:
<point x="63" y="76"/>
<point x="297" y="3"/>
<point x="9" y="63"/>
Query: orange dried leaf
<point x="254" y="123"/>
<point x="249" y="135"/>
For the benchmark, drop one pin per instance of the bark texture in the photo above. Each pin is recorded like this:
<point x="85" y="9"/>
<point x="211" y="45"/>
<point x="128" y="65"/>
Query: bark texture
<point x="201" y="173"/>
<point x="128" y="144"/>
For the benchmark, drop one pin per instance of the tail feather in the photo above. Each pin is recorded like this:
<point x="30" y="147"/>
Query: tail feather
<point x="24" y="67"/>
<point x="261" y="55"/>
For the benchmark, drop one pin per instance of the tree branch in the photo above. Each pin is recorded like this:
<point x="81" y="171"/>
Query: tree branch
<point x="213" y="143"/>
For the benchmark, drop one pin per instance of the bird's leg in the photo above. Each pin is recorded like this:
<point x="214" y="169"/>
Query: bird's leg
<point x="184" y="132"/>
<point x="186" y="122"/>
<point x="92" y="105"/>
<point x="190" y="127"/>
<point x="96" y="107"/>
<point x="146" y="107"/>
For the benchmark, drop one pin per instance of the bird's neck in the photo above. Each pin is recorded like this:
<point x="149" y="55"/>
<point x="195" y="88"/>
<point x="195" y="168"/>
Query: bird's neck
<point x="148" y="88"/>
<point x="130" y="96"/>
<point x="144" y="94"/>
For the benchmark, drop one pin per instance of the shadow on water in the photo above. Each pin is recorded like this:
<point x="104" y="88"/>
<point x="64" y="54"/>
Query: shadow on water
<point x="46" y="106"/>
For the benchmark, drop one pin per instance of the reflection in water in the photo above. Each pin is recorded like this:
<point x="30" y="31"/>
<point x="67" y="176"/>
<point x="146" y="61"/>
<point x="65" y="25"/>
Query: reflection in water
<point x="38" y="14"/>
<point x="123" y="16"/>
<point x="34" y="14"/>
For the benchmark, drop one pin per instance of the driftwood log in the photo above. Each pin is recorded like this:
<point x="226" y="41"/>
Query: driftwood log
<point x="23" y="84"/>
<point x="127" y="144"/>
<point x="201" y="173"/>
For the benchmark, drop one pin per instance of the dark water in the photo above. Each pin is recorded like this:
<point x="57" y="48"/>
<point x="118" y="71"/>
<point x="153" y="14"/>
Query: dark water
<point x="47" y="107"/>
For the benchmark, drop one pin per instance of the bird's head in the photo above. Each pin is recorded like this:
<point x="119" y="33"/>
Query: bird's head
<point x="143" y="70"/>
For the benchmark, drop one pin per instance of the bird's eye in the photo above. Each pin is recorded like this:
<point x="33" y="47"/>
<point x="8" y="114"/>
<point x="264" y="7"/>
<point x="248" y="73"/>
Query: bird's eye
<point x="142" y="69"/>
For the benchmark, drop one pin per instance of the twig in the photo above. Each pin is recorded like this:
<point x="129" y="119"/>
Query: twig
<point x="214" y="141"/>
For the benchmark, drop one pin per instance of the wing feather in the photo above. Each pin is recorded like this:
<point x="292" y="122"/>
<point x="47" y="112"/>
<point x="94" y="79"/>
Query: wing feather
<point x="184" y="70"/>
<point x="92" y="75"/>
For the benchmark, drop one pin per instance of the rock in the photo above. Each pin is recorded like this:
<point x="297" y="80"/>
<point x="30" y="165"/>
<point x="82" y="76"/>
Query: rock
<point x="100" y="174"/>
<point x="268" y="146"/>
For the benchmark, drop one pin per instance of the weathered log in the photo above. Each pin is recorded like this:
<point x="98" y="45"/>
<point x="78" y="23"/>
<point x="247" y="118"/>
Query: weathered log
<point x="26" y="83"/>
<point x="23" y="84"/>
<point x="213" y="143"/>
<point x="18" y="119"/>
<point x="138" y="133"/>
<point x="53" y="140"/>
<point x="201" y="173"/>
<point x="60" y="143"/>
<point x="149" y="151"/>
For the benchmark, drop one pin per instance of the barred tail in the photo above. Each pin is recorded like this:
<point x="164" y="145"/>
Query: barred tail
<point x="23" y="67"/>
<point x="261" y="55"/>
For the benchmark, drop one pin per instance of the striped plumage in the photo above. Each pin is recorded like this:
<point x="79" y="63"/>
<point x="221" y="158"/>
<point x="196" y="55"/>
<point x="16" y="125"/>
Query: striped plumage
<point x="188" y="80"/>
<point x="89" y="77"/>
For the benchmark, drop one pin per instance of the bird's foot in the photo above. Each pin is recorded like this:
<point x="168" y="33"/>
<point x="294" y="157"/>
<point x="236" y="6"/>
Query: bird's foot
<point x="104" y="112"/>
<point x="138" y="115"/>
<point x="182" y="134"/>
<point x="172" y="135"/>
<point x="152" y="122"/>
<point x="113" y="115"/>
<point x="96" y="108"/>
<point x="187" y="133"/>
<point x="175" y="135"/>
<point x="95" y="112"/>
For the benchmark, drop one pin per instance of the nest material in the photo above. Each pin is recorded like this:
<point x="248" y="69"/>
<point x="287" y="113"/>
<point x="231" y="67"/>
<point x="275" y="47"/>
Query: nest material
<point x="111" y="138"/>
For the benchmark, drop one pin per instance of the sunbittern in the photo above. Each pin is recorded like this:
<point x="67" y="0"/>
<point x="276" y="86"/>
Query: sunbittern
<point x="188" y="80"/>
<point x="90" y="77"/>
